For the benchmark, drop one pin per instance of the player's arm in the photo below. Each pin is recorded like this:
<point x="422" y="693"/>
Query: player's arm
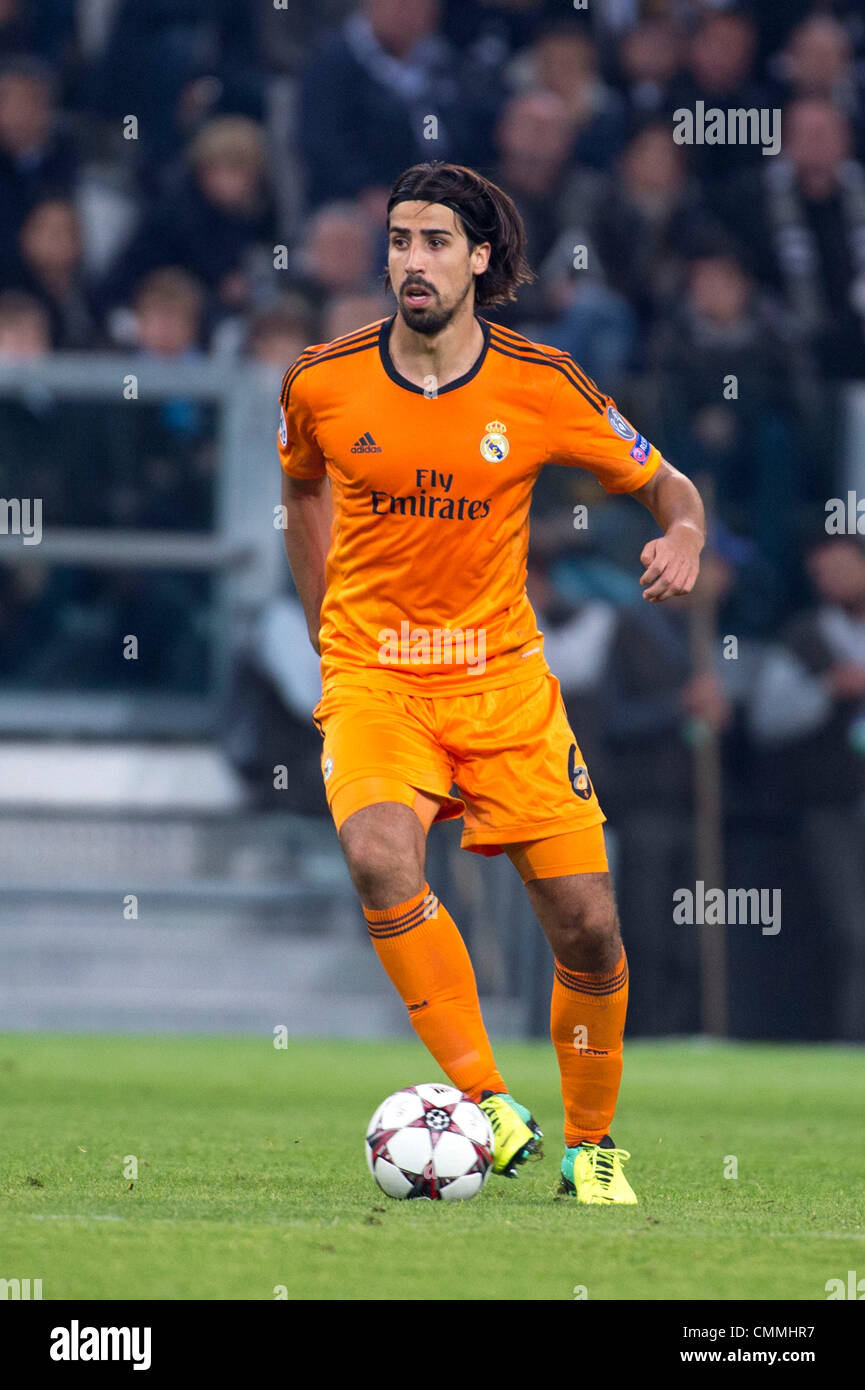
<point x="308" y="514"/>
<point x="673" y="560"/>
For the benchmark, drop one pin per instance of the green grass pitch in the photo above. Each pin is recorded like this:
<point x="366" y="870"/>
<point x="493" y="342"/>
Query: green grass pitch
<point x="251" y="1176"/>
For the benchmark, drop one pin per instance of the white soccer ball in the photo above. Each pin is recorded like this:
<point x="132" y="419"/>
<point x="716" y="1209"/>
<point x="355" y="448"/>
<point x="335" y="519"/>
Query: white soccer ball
<point x="430" y="1141"/>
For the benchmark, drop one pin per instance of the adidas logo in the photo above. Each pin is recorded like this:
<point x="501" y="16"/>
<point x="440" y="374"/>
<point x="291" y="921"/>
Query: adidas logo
<point x="365" y="445"/>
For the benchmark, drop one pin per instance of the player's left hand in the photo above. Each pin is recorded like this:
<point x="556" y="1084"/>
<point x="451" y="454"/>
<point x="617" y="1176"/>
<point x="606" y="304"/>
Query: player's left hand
<point x="672" y="564"/>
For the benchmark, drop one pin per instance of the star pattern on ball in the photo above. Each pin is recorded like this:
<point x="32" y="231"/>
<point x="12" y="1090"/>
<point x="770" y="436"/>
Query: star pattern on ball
<point x="436" y="1118"/>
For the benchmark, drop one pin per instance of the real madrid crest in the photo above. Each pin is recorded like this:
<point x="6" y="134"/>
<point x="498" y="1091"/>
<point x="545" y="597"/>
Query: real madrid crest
<point x="494" y="445"/>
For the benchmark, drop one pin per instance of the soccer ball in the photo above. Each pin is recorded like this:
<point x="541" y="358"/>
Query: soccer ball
<point x="430" y="1141"/>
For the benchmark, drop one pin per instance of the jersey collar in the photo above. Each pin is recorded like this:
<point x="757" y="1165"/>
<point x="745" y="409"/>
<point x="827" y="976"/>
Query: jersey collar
<point x="395" y="376"/>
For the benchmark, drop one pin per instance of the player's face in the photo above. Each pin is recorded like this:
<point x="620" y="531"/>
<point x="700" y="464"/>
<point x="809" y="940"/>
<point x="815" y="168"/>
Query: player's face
<point x="431" y="264"/>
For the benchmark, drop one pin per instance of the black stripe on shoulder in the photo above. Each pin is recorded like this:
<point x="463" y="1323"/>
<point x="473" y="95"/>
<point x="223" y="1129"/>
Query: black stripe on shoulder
<point x="584" y="377"/>
<point x="340" y="347"/>
<point x="543" y="360"/>
<point x="518" y="339"/>
<point x="345" y="339"/>
<point x="306" y="356"/>
<point x="512" y="339"/>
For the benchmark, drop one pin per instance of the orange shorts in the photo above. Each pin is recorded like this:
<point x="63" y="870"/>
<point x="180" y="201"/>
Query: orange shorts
<point x="511" y="754"/>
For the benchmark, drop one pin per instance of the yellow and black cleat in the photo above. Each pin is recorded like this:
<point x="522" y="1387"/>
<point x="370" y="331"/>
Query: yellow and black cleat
<point x="517" y="1136"/>
<point x="593" y="1174"/>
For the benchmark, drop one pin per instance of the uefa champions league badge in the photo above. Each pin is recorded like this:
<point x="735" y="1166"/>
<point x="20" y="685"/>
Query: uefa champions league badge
<point x="283" y="428"/>
<point x="619" y="424"/>
<point x="640" y="450"/>
<point x="494" y="445"/>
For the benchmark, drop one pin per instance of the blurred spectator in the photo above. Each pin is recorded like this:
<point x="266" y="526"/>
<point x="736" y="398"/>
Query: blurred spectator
<point x="336" y="254"/>
<point x="654" y="707"/>
<point x="24" y="327"/>
<point x="720" y="72"/>
<point x="274" y="684"/>
<point x="168" y="309"/>
<point x="808" y="714"/>
<point x="347" y="312"/>
<point x="819" y="62"/>
<point x="571" y="304"/>
<point x="279" y="333"/>
<point x="534" y="136"/>
<point x="650" y="58"/>
<point x="62" y="628"/>
<point x="564" y="61"/>
<point x="645" y="222"/>
<point x="284" y="34"/>
<point x="79" y="619"/>
<point x="811" y="694"/>
<point x="163" y="478"/>
<point x="174" y="64"/>
<point x="800" y="219"/>
<point x="778" y="21"/>
<point x="49" y="266"/>
<point x="16" y="27"/>
<point x="576" y="636"/>
<point x="727" y="368"/>
<point x="369" y="91"/>
<point x="592" y="558"/>
<point x="36" y="158"/>
<point x="49" y="448"/>
<point x="50" y="31"/>
<point x="212" y="224"/>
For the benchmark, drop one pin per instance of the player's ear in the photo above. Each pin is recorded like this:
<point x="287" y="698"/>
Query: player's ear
<point x="481" y="257"/>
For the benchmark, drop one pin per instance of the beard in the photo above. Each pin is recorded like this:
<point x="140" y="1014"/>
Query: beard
<point x="434" y="317"/>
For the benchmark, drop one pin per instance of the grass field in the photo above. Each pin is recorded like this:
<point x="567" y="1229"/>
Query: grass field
<point x="251" y="1175"/>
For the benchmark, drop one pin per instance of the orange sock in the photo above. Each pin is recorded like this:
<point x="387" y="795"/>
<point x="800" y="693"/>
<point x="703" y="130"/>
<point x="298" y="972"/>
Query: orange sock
<point x="420" y="947"/>
<point x="587" y="1023"/>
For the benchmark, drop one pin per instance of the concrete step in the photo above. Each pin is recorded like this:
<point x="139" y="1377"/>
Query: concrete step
<point x="138" y="977"/>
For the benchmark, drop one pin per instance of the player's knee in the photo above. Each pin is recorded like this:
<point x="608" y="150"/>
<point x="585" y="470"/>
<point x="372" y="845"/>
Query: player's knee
<point x="589" y="940"/>
<point x="384" y="858"/>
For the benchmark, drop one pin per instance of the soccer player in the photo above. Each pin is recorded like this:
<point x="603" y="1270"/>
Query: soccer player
<point x="409" y="451"/>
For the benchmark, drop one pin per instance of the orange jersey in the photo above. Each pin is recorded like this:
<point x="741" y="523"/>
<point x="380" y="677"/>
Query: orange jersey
<point x="431" y="491"/>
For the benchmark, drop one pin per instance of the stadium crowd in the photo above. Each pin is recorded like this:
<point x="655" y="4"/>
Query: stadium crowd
<point x="181" y="178"/>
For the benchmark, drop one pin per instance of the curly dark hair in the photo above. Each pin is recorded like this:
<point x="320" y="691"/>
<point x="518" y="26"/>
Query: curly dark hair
<point x="485" y="212"/>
